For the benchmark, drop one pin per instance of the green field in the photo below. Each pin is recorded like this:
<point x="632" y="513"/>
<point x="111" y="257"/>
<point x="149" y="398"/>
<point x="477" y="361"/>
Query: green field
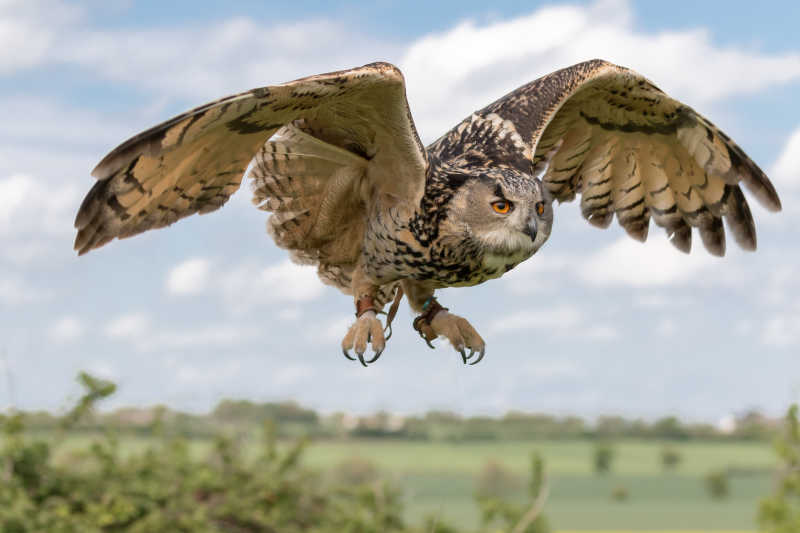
<point x="439" y="479"/>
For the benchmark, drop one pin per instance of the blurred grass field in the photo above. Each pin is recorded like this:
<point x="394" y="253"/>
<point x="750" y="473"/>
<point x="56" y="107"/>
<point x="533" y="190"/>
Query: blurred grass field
<point x="439" y="478"/>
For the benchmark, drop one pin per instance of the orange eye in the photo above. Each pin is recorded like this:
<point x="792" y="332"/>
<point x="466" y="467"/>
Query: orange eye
<point x="501" y="206"/>
<point x="540" y="208"/>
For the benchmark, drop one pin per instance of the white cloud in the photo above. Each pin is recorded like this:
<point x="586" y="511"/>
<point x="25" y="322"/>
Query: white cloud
<point x="194" y="375"/>
<point x="782" y="330"/>
<point x="630" y="263"/>
<point x="785" y="173"/>
<point x="43" y="123"/>
<point x="550" y="369"/>
<point x="216" y="335"/>
<point x="103" y="369"/>
<point x="290" y="313"/>
<point x="187" y="61"/>
<point x="449" y="73"/>
<point x="130" y="326"/>
<point x="15" y="290"/>
<point x="779" y="286"/>
<point x="555" y="319"/>
<point x="29" y="205"/>
<point x="29" y="29"/>
<point x="66" y="329"/>
<point x="139" y="331"/>
<point x="334" y="330"/>
<point x="562" y="320"/>
<point x="189" y="277"/>
<point x="454" y="72"/>
<point x="249" y="286"/>
<point x="666" y="327"/>
<point x="537" y="273"/>
<point x="291" y="375"/>
<point x="601" y="332"/>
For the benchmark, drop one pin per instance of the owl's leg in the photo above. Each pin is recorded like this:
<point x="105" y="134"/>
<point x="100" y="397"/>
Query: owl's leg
<point x="367" y="329"/>
<point x="435" y="321"/>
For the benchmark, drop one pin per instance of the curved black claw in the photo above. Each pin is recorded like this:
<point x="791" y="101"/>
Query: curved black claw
<point x="471" y="354"/>
<point x="361" y="358"/>
<point x="344" y="352"/>
<point x="480" y="356"/>
<point x="377" y="354"/>
<point x="463" y="355"/>
<point x="431" y="346"/>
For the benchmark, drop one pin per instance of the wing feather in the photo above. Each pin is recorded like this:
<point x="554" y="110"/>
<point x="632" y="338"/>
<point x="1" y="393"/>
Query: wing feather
<point x="629" y="149"/>
<point x="194" y="162"/>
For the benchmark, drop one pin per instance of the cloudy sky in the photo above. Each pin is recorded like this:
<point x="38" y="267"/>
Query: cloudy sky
<point x="210" y="308"/>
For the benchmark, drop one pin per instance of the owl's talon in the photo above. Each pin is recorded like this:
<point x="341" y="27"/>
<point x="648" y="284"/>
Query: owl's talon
<point x="375" y="358"/>
<point x="460" y="334"/>
<point x="367" y="330"/>
<point x="480" y="356"/>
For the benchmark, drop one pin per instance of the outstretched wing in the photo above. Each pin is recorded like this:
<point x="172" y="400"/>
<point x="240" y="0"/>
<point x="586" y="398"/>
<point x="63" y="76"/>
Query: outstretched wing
<point x="610" y="135"/>
<point x="195" y="161"/>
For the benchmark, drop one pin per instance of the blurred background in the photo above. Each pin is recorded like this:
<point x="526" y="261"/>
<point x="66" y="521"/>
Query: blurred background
<point x="645" y="378"/>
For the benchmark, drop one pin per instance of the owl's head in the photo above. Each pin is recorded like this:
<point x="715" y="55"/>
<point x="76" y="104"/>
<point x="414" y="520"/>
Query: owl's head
<point x="506" y="212"/>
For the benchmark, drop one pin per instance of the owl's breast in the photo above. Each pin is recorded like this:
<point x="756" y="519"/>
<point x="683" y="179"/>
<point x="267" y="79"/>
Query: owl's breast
<point x="393" y="251"/>
<point x="495" y="265"/>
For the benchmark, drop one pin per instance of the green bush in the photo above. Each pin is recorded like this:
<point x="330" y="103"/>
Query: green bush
<point x="603" y="457"/>
<point x="780" y="513"/>
<point x="165" y="489"/>
<point x="718" y="484"/>
<point x="670" y="458"/>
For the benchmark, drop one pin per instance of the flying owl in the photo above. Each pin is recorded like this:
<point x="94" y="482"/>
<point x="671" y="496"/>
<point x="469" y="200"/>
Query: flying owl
<point x="337" y="161"/>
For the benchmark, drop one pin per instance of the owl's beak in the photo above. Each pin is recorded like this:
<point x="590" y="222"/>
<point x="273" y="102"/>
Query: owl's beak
<point x="530" y="229"/>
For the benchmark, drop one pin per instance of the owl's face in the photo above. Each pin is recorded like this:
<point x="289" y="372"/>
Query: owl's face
<point x="508" y="213"/>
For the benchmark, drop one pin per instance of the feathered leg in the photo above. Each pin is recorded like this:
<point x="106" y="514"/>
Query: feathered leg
<point x="367" y="329"/>
<point x="435" y="320"/>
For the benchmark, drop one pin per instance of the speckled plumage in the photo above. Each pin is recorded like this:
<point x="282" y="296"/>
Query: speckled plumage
<point x="337" y="162"/>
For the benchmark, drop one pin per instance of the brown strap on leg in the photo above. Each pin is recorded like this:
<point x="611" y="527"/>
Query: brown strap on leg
<point x="364" y="304"/>
<point x="393" y="311"/>
<point x="423" y="322"/>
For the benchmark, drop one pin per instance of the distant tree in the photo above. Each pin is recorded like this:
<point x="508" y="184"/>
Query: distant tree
<point x="670" y="458"/>
<point x="780" y="513"/>
<point x="670" y="428"/>
<point x="718" y="484"/>
<point x="603" y="458"/>
<point x="754" y="425"/>
<point x="611" y="426"/>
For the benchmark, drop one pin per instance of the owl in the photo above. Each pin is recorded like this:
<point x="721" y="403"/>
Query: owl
<point x="336" y="159"/>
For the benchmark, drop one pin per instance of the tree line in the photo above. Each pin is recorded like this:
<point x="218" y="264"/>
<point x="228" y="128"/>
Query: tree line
<point x="295" y="420"/>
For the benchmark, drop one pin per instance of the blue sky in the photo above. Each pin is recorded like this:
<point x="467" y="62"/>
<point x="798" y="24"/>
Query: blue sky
<point x="210" y="308"/>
